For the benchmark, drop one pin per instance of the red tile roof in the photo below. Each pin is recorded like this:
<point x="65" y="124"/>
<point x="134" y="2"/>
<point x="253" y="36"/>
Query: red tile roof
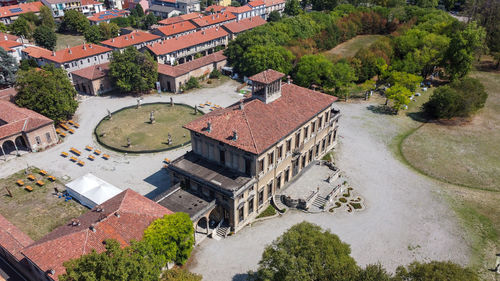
<point x="90" y="2"/>
<point x="8" y="94"/>
<point x="215" y="8"/>
<point x="184" y="68"/>
<point x="244" y="24"/>
<point x="176" y="28"/>
<point x="12" y="238"/>
<point x="180" y="18"/>
<point x="231" y="9"/>
<point x="133" y="38"/>
<point x="8" y="37"/>
<point x="8" y="45"/>
<point x="213" y="19"/>
<point x="36" y="52"/>
<point x="260" y="125"/>
<point x="267" y="76"/>
<point x="186" y="41"/>
<point x="124" y="218"/>
<point x="19" y="119"/>
<point x="77" y="52"/>
<point x="93" y="72"/>
<point x="256" y="3"/>
<point x="14" y="10"/>
<point x="109" y="14"/>
<point x="270" y="3"/>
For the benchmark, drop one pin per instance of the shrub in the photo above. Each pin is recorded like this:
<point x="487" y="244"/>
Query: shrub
<point x="215" y="74"/>
<point x="343" y="200"/>
<point x="269" y="211"/>
<point x="192" y="83"/>
<point x="356" y="206"/>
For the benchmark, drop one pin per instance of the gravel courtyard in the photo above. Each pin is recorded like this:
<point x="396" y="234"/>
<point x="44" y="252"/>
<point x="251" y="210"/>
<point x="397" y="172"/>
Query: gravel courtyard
<point x="405" y="219"/>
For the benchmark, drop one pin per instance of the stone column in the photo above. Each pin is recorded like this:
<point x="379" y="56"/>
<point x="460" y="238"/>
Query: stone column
<point x="3" y="152"/>
<point x="17" y="151"/>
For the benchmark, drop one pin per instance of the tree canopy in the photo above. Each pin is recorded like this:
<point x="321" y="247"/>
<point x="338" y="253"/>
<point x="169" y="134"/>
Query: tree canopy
<point x="133" y="71"/>
<point x="47" y="91"/>
<point x="292" y="7"/>
<point x="8" y="68"/>
<point x="434" y="271"/>
<point x="46" y="17"/>
<point x="180" y="274"/>
<point x="45" y="37"/>
<point x="74" y="21"/>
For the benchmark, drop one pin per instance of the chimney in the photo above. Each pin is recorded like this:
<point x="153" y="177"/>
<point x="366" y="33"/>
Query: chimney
<point x="99" y="68"/>
<point x="117" y="214"/>
<point x="213" y="17"/>
<point x="241" y="105"/>
<point x="52" y="271"/>
<point x="131" y="36"/>
<point x="203" y="32"/>
<point x="53" y="53"/>
<point x="92" y="227"/>
<point x="235" y="135"/>
<point x="112" y="39"/>
<point x="126" y="37"/>
<point x="75" y="222"/>
<point x="90" y="46"/>
<point x="209" y="127"/>
<point x="69" y="51"/>
<point x="173" y="26"/>
<point x="84" y="46"/>
<point x="99" y="208"/>
<point x="5" y="37"/>
<point x="288" y="81"/>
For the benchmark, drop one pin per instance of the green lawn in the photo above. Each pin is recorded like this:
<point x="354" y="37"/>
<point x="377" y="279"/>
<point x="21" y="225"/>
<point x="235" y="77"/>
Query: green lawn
<point x="63" y="40"/>
<point x="134" y="123"/>
<point x="352" y="46"/>
<point x="37" y="212"/>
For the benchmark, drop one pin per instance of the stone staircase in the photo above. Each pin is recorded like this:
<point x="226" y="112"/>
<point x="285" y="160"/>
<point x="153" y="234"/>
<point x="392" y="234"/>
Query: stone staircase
<point x="319" y="202"/>
<point x="221" y="232"/>
<point x="278" y="203"/>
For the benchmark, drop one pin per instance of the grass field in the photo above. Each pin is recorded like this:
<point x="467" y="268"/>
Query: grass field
<point x="352" y="46"/>
<point x="134" y="124"/>
<point x="63" y="40"/>
<point x="37" y="212"/>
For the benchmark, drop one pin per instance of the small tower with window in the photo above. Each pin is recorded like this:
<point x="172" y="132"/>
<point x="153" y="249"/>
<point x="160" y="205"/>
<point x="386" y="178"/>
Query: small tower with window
<point x="266" y="86"/>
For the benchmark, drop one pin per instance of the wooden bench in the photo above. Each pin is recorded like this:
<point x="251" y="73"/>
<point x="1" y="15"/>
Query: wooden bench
<point x="40" y="183"/>
<point x="97" y="152"/>
<point x="51" y="178"/>
<point x="89" y="148"/>
<point x="43" y="172"/>
<point x="105" y="156"/>
<point x="31" y="177"/>
<point x="71" y="131"/>
<point x="76" y="125"/>
<point x="62" y="134"/>
<point x="64" y="154"/>
<point x="91" y="157"/>
<point x="81" y="163"/>
<point x="73" y="158"/>
<point x="64" y="126"/>
<point x="28" y="188"/>
<point x="20" y="182"/>
<point x="75" y="151"/>
<point x="70" y="122"/>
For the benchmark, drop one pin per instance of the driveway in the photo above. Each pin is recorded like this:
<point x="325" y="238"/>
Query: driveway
<point x="405" y="218"/>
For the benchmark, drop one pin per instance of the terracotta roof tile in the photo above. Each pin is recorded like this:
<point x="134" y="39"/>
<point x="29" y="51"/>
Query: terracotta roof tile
<point x="184" y="68"/>
<point x="180" y="18"/>
<point x="188" y="40"/>
<point x="8" y="94"/>
<point x="270" y="3"/>
<point x="107" y="15"/>
<point x="14" y="10"/>
<point x="36" y="52"/>
<point x="8" y="37"/>
<point x="76" y="52"/>
<point x="12" y="238"/>
<point x="256" y="3"/>
<point x="133" y="38"/>
<point x="260" y="125"/>
<point x="244" y="24"/>
<point x="8" y="45"/>
<point x="90" y="2"/>
<point x="124" y="218"/>
<point x="267" y="76"/>
<point x="213" y="19"/>
<point x="19" y="119"/>
<point x="93" y="72"/>
<point x="176" y="28"/>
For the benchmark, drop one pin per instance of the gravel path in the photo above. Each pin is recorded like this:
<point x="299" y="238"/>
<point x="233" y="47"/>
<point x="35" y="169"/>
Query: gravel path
<point x="405" y="218"/>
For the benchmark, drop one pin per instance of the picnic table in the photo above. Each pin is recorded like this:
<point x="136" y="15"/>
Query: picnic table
<point x="28" y="188"/>
<point x="64" y="154"/>
<point x="40" y="183"/>
<point x="51" y="178"/>
<point x="105" y="156"/>
<point x="31" y="177"/>
<point x="64" y="126"/>
<point x="89" y="148"/>
<point x="20" y="182"/>
<point x="43" y="172"/>
<point x="76" y="125"/>
<point x="73" y="158"/>
<point x="97" y="151"/>
<point x="81" y="163"/>
<point x="91" y="157"/>
<point x="71" y="131"/>
<point x="75" y="151"/>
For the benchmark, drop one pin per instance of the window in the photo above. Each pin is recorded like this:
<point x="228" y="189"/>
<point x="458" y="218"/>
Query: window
<point x="313" y="127"/>
<point x="270" y="158"/>
<point x="280" y="151"/>
<point x="38" y="140"/>
<point x="288" y="145"/>
<point x="304" y="157"/>
<point x="327" y="116"/>
<point x="270" y="189"/>
<point x="47" y="136"/>
<point x="211" y="152"/>
<point x="261" y="165"/>
<point x="248" y="166"/>
<point x="241" y="215"/>
<point x="297" y="140"/>
<point x="287" y="174"/>
<point x="323" y="144"/>
<point x="261" y="196"/>
<point x="320" y="122"/>
<point x="310" y="155"/>
<point x="88" y="60"/>
<point x="234" y="160"/>
<point x="250" y="206"/>
<point x="317" y="150"/>
<point x="278" y="182"/>
<point x="306" y="132"/>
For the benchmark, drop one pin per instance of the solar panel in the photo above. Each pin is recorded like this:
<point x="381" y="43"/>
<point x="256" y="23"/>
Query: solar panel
<point x="16" y="10"/>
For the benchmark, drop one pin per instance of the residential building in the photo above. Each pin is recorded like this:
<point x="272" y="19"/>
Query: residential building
<point x="91" y="7"/>
<point x="123" y="218"/>
<point x="174" y="30"/>
<point x="243" y="154"/>
<point x="12" y="241"/>
<point x="236" y="27"/>
<point x="173" y="77"/>
<point x="12" y="45"/>
<point x="184" y="6"/>
<point x="184" y="48"/>
<point x="107" y="16"/>
<point x="214" y="20"/>
<point x="22" y="129"/>
<point x="93" y="80"/>
<point x="163" y="11"/>
<point x="241" y="12"/>
<point x="258" y="8"/>
<point x="8" y="94"/>
<point x="86" y="7"/>
<point x="179" y="19"/>
<point x="8" y="14"/>
<point x="274" y="5"/>
<point x="70" y="59"/>
<point x="225" y="3"/>
<point x="138" y="39"/>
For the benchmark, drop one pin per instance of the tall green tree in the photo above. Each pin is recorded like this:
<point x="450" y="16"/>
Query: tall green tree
<point x="180" y="274"/>
<point x="306" y="252"/>
<point x="274" y="16"/>
<point x="8" y="68"/>
<point x="47" y="91"/>
<point x="292" y="7"/>
<point x="434" y="271"/>
<point x="108" y="30"/>
<point x="343" y="76"/>
<point x="3" y="27"/>
<point x="45" y="37"/>
<point x="22" y="27"/>
<point x="74" y="21"/>
<point x="409" y="81"/>
<point x="133" y="71"/>
<point x="426" y="3"/>
<point x="149" y="20"/>
<point x="93" y="34"/>
<point x="400" y="96"/>
<point x="171" y="237"/>
<point x="137" y="11"/>
<point x="46" y="17"/>
<point x="313" y="69"/>
<point x="373" y="272"/>
<point x="322" y="5"/>
<point x="261" y="57"/>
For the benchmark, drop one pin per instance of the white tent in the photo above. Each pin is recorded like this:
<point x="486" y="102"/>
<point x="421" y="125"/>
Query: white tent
<point x="90" y="190"/>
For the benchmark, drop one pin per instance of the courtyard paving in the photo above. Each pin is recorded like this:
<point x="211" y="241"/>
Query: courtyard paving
<point x="406" y="217"/>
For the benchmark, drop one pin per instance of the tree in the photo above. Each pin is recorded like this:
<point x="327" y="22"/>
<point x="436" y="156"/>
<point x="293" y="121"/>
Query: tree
<point x="343" y="76"/>
<point x="8" y="68"/>
<point x="306" y="252"/>
<point x="261" y="57"/>
<point x="313" y="69"/>
<point x="192" y="83"/>
<point x="115" y="264"/>
<point x="171" y="237"/>
<point x="45" y="37"/>
<point x="74" y="21"/>
<point x="407" y="80"/>
<point x="3" y="27"/>
<point x="400" y="96"/>
<point x="460" y="98"/>
<point x="373" y="272"/>
<point x="108" y="30"/>
<point x="426" y="3"/>
<point x="22" y="27"/>
<point x="322" y="5"/>
<point x="121" y="21"/>
<point x="180" y="274"/>
<point x="137" y="11"/>
<point x="434" y="271"/>
<point x="274" y="16"/>
<point x="93" y="34"/>
<point x="133" y="71"/>
<point x="149" y="20"/>
<point x="47" y="91"/>
<point x="46" y="18"/>
<point x="26" y="64"/>
<point x="292" y="7"/>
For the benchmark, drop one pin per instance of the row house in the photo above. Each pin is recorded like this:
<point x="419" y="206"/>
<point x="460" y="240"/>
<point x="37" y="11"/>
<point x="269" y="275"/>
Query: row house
<point x="137" y="39"/>
<point x="258" y="8"/>
<point x="9" y="14"/>
<point x="184" y="48"/>
<point x="237" y="27"/>
<point x="12" y="45"/>
<point x="70" y="59"/>
<point x="107" y="16"/>
<point x="174" y="30"/>
<point x="90" y="7"/>
<point x="251" y="9"/>
<point x="86" y="7"/>
<point x="179" y="19"/>
<point x="240" y="12"/>
<point x="244" y="154"/>
<point x="274" y="5"/>
<point x="183" y="6"/>
<point x="214" y="20"/>
<point x="163" y="11"/>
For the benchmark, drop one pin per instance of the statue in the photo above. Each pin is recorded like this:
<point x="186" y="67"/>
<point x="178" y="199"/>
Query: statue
<point x="171" y="101"/>
<point x="152" y="117"/>
<point x="138" y="103"/>
<point x="169" y="140"/>
<point x="195" y="109"/>
<point x="109" y="114"/>
<point x="129" y="143"/>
